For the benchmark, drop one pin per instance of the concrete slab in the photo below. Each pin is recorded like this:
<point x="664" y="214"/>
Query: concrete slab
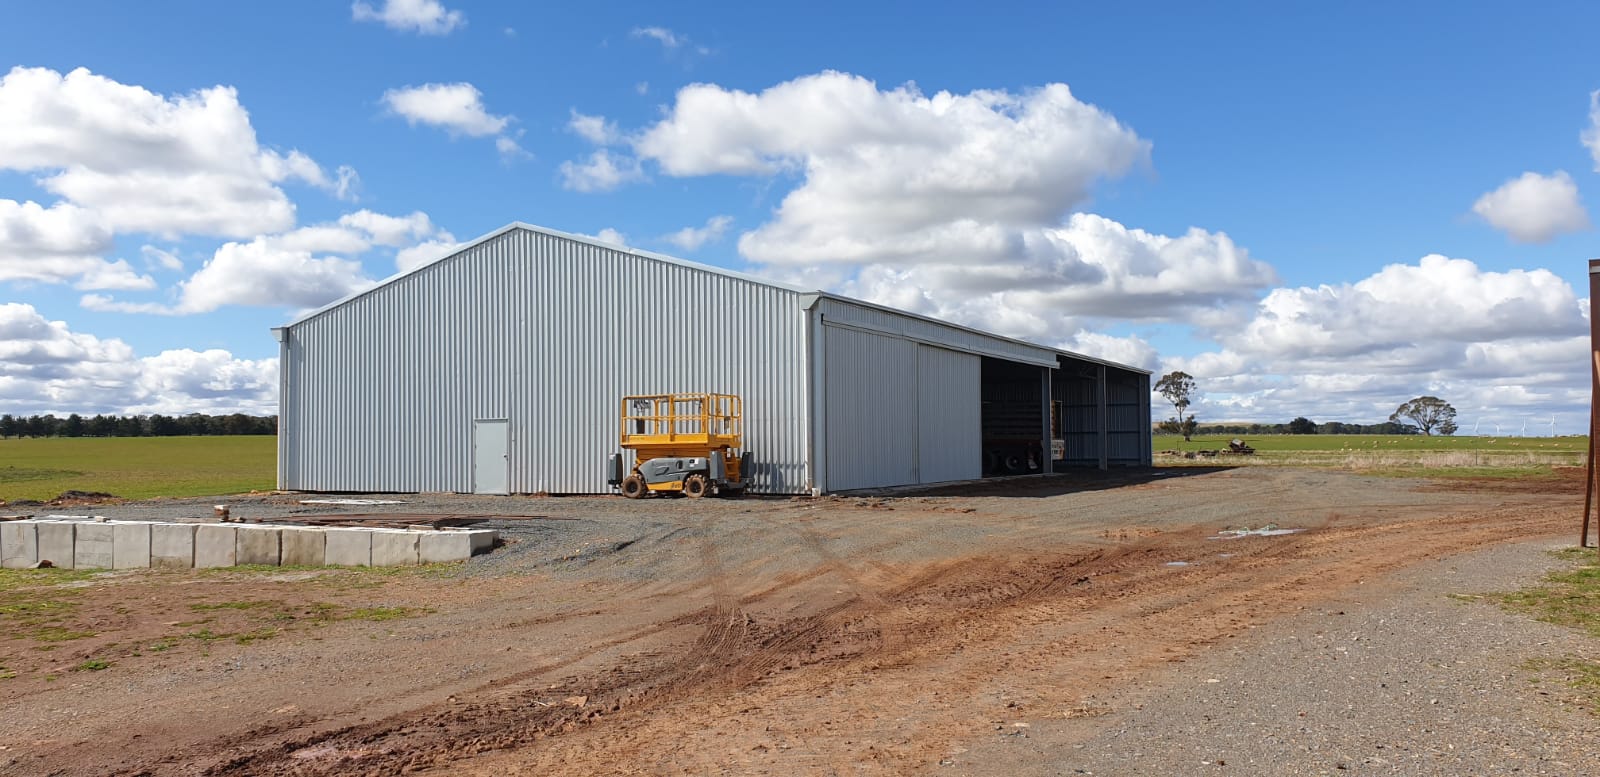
<point x="303" y="546"/>
<point x="258" y="545"/>
<point x="348" y="547"/>
<point x="130" y="544"/>
<point x="172" y="545"/>
<point x="394" y="547"/>
<point x="214" y="545"/>
<point x="19" y="544"/>
<point x="93" y="547"/>
<point x="55" y="542"/>
<point x="434" y="547"/>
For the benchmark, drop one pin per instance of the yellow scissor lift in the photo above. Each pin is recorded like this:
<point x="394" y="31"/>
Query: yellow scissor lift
<point x="682" y="443"/>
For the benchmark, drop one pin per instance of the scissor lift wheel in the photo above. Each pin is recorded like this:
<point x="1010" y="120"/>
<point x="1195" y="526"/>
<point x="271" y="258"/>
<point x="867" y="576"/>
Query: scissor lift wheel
<point x="696" y="486"/>
<point x="633" y="487"/>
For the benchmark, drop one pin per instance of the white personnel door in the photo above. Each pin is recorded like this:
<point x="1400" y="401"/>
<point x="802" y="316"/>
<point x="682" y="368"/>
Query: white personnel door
<point x="491" y="456"/>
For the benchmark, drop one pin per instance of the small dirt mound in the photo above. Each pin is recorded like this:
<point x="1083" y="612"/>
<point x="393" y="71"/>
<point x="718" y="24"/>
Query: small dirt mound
<point x="76" y="497"/>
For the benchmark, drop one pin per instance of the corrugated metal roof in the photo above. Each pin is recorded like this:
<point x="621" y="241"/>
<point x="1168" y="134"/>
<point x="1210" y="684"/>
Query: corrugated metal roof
<point x="722" y="271"/>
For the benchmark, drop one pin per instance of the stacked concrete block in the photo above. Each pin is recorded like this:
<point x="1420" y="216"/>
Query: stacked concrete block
<point x="214" y="545"/>
<point x="19" y="544"/>
<point x="435" y="547"/>
<point x="394" y="548"/>
<point x="83" y="544"/>
<point x="482" y="540"/>
<point x="348" y="547"/>
<point x="130" y="544"/>
<point x="258" y="545"/>
<point x="439" y="546"/>
<point x="172" y="545"/>
<point x="55" y="542"/>
<point x="304" y="546"/>
<point x="93" y="546"/>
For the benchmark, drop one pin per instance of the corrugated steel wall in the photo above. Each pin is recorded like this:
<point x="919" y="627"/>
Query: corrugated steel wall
<point x="380" y="392"/>
<point x="1080" y="410"/>
<point x="949" y="415"/>
<point x="898" y="411"/>
<point x="1127" y="418"/>
<point x="871" y="409"/>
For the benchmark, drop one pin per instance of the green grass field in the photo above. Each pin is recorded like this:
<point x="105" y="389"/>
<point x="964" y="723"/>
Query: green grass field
<point x="136" y="467"/>
<point x="1404" y="455"/>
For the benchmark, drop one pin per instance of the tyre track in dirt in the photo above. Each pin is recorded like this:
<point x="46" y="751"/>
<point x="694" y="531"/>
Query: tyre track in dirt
<point x="1050" y="603"/>
<point x="1038" y="620"/>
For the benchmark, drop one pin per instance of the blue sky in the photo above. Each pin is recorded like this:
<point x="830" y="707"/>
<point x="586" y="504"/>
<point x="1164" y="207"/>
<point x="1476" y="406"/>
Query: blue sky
<point x="1221" y="190"/>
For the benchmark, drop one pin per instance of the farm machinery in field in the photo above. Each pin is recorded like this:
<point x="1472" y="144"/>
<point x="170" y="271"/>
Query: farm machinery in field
<point x="689" y="444"/>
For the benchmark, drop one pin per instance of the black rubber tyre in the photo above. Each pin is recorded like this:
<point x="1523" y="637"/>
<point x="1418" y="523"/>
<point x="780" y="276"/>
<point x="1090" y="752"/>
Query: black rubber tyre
<point x="696" y="486"/>
<point x="1015" y="464"/>
<point x="633" y="487"/>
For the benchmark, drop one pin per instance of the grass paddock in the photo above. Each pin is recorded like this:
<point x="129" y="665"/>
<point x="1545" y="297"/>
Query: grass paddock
<point x="1402" y="455"/>
<point x="136" y="467"/>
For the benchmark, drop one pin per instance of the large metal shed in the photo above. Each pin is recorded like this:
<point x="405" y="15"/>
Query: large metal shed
<point x="499" y="369"/>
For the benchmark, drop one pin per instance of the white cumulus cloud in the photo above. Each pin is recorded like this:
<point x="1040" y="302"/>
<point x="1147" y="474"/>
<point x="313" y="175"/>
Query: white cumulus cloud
<point x="457" y="108"/>
<point x="895" y="175"/>
<point x="667" y="38"/>
<point x="1042" y="282"/>
<point x="45" y="367"/>
<point x="1504" y="345"/>
<point x="143" y="162"/>
<point x="57" y="244"/>
<point x="258" y="273"/>
<point x="612" y="236"/>
<point x="412" y="257"/>
<point x="595" y="129"/>
<point x="301" y="268"/>
<point x="603" y="171"/>
<point x="1534" y="208"/>
<point x="692" y="238"/>
<point x="425" y="17"/>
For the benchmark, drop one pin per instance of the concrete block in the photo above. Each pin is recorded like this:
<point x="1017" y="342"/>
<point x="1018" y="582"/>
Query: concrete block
<point x="130" y="544"/>
<point x="56" y="541"/>
<point x="436" y="546"/>
<point x="172" y="545"/>
<point x="394" y="547"/>
<point x="258" y="545"/>
<point x="93" y="547"/>
<point x="214" y="545"/>
<point x="482" y="540"/>
<point x="19" y="544"/>
<point x="303" y="546"/>
<point x="348" y="547"/>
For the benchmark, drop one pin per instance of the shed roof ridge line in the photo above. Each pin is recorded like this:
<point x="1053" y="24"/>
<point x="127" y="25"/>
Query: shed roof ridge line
<point x="687" y="264"/>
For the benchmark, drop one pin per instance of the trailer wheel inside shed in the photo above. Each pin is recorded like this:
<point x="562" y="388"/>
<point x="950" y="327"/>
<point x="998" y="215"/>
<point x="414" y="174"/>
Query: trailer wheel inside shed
<point x="1013" y="418"/>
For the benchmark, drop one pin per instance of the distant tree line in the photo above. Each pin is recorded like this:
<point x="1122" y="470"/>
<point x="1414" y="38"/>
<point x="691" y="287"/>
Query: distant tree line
<point x="1304" y="426"/>
<point x="154" y="425"/>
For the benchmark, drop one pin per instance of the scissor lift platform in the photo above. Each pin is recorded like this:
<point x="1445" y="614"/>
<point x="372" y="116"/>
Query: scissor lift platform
<point x="682" y="443"/>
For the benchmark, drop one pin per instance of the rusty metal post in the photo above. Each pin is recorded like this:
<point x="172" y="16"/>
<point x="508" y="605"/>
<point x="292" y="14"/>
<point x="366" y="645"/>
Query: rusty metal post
<point x="1588" y="474"/>
<point x="1594" y="393"/>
